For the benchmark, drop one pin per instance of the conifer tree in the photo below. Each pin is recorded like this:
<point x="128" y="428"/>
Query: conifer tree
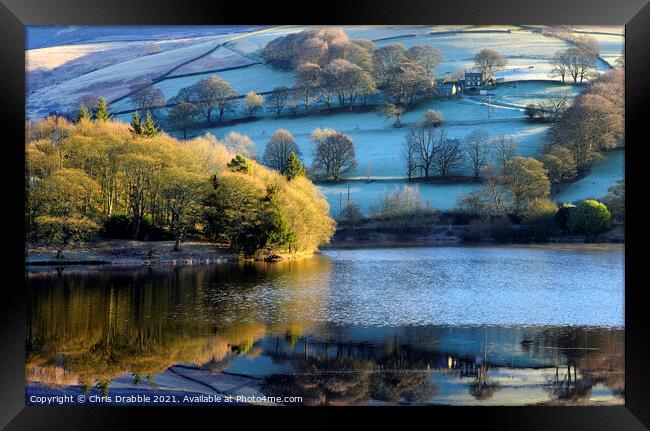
<point x="136" y="124"/>
<point x="240" y="164"/>
<point x="102" y="113"/>
<point x="84" y="113"/>
<point x="149" y="127"/>
<point x="295" y="167"/>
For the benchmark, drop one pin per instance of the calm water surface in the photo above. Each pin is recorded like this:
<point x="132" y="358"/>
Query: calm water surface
<point x="447" y="325"/>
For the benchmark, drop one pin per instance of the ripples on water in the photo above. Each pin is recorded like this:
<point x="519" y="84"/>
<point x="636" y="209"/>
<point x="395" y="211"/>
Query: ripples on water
<point x="542" y="324"/>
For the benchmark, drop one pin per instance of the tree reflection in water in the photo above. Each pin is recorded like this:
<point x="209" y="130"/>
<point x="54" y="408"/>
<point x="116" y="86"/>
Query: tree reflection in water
<point x="356" y="373"/>
<point x="87" y="328"/>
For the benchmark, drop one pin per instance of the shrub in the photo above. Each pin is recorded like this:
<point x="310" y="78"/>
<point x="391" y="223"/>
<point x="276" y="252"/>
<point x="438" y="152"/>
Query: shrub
<point x="539" y="218"/>
<point x="404" y="209"/>
<point x="240" y="164"/>
<point x="589" y="217"/>
<point x="562" y="216"/>
<point x="350" y="216"/>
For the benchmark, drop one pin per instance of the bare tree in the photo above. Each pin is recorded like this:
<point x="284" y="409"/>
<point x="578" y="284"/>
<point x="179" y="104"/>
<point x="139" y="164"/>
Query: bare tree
<point x="393" y="111"/>
<point x="333" y="153"/>
<point x="253" y="102"/>
<point x="504" y="148"/>
<point x="433" y="118"/>
<point x="554" y="107"/>
<point x="240" y="144"/>
<point x="148" y="99"/>
<point x="428" y="57"/>
<point x="277" y="100"/>
<point x="423" y="143"/>
<point x="213" y="93"/>
<point x="346" y="79"/>
<point x="476" y="150"/>
<point x="448" y="156"/>
<point x="183" y="116"/>
<point x="560" y="65"/>
<point x="489" y="61"/>
<point x="384" y="59"/>
<point x="580" y="64"/>
<point x="410" y="158"/>
<point x="406" y="80"/>
<point x="278" y="149"/>
<point x="308" y="83"/>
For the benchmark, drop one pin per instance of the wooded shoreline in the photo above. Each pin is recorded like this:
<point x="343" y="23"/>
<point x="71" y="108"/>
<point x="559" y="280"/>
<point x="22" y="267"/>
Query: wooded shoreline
<point x="137" y="253"/>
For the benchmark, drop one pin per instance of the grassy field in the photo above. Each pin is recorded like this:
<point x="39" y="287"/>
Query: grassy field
<point x="62" y="73"/>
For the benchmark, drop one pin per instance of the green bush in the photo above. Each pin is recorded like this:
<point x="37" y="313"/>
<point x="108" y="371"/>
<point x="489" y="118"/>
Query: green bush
<point x="590" y="218"/>
<point x="562" y="216"/>
<point x="538" y="218"/>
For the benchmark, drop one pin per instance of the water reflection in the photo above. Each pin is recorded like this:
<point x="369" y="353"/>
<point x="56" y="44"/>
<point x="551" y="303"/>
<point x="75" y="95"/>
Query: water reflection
<point x="246" y="327"/>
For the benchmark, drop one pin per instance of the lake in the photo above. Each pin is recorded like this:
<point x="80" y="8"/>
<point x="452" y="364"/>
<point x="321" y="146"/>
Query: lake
<point x="503" y="325"/>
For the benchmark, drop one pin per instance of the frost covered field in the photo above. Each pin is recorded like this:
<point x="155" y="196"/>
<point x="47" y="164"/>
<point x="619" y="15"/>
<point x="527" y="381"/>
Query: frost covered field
<point x="64" y="64"/>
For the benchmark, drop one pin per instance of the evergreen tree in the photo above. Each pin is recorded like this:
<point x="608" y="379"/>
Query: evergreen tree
<point x="102" y="113"/>
<point x="240" y="164"/>
<point x="84" y="113"/>
<point x="136" y="124"/>
<point x="295" y="167"/>
<point x="149" y="127"/>
<point x="274" y="229"/>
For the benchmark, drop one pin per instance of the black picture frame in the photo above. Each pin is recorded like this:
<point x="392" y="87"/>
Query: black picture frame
<point x="16" y="14"/>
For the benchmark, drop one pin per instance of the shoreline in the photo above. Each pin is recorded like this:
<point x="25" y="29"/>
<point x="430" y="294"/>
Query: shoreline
<point x="111" y="253"/>
<point x="130" y="253"/>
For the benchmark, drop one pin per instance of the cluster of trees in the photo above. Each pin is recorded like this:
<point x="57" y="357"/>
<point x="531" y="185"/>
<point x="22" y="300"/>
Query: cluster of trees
<point x="508" y="188"/>
<point x="595" y="123"/>
<point x="87" y="178"/>
<point x="330" y="66"/>
<point x="330" y="69"/>
<point x="333" y="154"/>
<point x="577" y="62"/>
<point x="520" y="191"/>
<point x="550" y="109"/>
<point x="428" y="151"/>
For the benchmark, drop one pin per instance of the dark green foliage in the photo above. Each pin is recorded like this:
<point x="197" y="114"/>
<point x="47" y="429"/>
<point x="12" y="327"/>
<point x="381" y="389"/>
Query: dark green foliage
<point x="136" y="124"/>
<point x="496" y="230"/>
<point x="589" y="218"/>
<point x="531" y="112"/>
<point x="239" y="212"/>
<point x="295" y="167"/>
<point x="562" y="216"/>
<point x="240" y="164"/>
<point x="102" y="111"/>
<point x="121" y="227"/>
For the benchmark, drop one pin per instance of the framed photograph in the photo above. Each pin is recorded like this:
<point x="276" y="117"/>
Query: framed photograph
<point x="419" y="206"/>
